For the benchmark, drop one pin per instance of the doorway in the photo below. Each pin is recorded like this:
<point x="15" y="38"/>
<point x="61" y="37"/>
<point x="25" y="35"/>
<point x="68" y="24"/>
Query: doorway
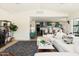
<point x="52" y="24"/>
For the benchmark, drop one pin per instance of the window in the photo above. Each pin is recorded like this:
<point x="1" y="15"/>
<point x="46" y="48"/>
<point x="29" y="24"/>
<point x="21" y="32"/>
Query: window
<point x="76" y="27"/>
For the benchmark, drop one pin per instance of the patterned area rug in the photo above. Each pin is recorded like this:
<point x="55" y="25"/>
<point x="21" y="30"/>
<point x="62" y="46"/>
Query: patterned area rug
<point x="23" y="48"/>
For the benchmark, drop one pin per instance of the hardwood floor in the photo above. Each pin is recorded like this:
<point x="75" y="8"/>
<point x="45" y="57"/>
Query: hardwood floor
<point x="8" y="45"/>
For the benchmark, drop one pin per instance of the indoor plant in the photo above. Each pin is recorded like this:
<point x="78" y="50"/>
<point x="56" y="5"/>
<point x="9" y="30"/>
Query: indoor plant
<point x="43" y="42"/>
<point x="13" y="28"/>
<point x="57" y="24"/>
<point x="49" y="23"/>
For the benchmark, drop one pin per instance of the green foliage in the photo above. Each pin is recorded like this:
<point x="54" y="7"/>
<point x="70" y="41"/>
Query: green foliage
<point x="13" y="27"/>
<point x="42" y="41"/>
<point x="57" y="24"/>
<point x="49" y="24"/>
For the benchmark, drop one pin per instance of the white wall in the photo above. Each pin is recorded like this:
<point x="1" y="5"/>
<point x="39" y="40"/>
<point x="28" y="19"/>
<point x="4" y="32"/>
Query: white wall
<point x="23" y="21"/>
<point x="23" y="27"/>
<point x="4" y="15"/>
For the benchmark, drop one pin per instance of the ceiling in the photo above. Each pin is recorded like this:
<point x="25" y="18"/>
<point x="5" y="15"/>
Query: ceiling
<point x="20" y="7"/>
<point x="55" y="19"/>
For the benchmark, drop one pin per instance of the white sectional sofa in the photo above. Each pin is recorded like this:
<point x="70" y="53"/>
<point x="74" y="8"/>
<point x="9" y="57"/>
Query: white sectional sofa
<point x="63" y="48"/>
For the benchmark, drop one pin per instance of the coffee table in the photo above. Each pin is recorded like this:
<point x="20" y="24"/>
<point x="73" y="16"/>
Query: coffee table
<point x="45" y="48"/>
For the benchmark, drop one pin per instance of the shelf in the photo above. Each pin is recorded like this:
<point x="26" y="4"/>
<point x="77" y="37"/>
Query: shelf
<point x="76" y="35"/>
<point x="75" y="25"/>
<point x="75" y="32"/>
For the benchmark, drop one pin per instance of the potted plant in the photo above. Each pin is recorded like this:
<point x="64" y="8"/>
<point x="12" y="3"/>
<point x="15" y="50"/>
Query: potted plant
<point x="57" y="24"/>
<point x="43" y="42"/>
<point x="13" y="28"/>
<point x="49" y="23"/>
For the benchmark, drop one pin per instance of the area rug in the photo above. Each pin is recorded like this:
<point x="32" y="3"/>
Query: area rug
<point x="23" y="48"/>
